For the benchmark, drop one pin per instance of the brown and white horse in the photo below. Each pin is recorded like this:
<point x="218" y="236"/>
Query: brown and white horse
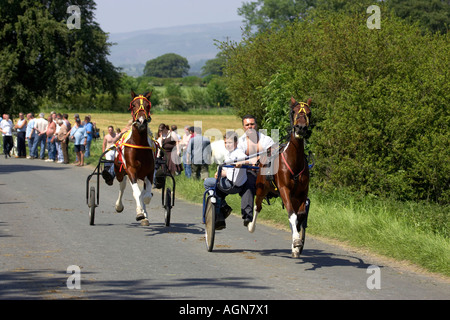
<point x="291" y="179"/>
<point x="136" y="157"/>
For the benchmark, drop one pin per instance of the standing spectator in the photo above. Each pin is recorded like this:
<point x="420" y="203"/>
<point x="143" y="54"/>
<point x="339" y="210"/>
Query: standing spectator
<point x="40" y="126"/>
<point x="6" y="126"/>
<point x="78" y="135"/>
<point x="199" y="153"/>
<point x="59" y="154"/>
<point x="61" y="138"/>
<point x="51" y="145"/>
<point x="183" y="146"/>
<point x="90" y="134"/>
<point x="21" y="127"/>
<point x="174" y="129"/>
<point x="69" y="127"/>
<point x="30" y="134"/>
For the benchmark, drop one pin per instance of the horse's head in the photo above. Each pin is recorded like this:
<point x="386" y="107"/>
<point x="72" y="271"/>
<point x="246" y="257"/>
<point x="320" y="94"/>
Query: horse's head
<point x="300" y="117"/>
<point x="140" y="110"/>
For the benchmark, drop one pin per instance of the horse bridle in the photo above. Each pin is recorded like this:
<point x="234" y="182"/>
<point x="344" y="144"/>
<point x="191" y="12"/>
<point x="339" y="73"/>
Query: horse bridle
<point x="300" y="110"/>
<point x="141" y="107"/>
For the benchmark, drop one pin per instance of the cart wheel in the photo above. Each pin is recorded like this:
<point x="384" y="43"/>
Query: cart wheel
<point x="167" y="206"/>
<point x="210" y="223"/>
<point x="92" y="206"/>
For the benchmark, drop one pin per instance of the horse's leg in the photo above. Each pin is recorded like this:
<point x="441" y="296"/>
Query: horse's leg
<point x="122" y="185"/>
<point x="147" y="192"/>
<point x="140" y="213"/>
<point x="261" y="191"/>
<point x="293" y="221"/>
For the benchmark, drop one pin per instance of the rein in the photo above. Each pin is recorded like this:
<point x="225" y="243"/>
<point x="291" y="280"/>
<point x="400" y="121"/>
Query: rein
<point x="295" y="176"/>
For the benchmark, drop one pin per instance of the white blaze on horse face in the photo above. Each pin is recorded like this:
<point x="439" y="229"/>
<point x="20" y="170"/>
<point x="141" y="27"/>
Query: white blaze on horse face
<point x="141" y="119"/>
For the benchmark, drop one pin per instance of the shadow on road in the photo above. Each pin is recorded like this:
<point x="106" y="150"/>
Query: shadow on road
<point x="5" y="169"/>
<point x="46" y="284"/>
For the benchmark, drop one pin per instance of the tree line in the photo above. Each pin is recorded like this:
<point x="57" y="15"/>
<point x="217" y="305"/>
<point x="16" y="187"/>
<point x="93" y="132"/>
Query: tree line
<point x="381" y="97"/>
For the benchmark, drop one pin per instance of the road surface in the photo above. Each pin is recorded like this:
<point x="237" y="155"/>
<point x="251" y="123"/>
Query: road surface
<point x="44" y="232"/>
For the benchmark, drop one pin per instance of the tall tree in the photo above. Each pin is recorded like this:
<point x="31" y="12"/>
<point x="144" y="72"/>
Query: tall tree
<point x="262" y="14"/>
<point x="433" y="15"/>
<point x="214" y="66"/>
<point x="41" y="57"/>
<point x="169" y="65"/>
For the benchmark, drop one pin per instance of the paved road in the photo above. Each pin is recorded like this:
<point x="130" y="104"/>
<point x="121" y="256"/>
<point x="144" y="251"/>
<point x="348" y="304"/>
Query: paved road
<point x="44" y="229"/>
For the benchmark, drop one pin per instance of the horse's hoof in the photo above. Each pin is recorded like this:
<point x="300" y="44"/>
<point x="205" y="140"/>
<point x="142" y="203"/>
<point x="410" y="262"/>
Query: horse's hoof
<point x="145" y="222"/>
<point x="251" y="227"/>
<point x="119" y="209"/>
<point x="297" y="243"/>
<point x="140" y="217"/>
<point x="295" y="254"/>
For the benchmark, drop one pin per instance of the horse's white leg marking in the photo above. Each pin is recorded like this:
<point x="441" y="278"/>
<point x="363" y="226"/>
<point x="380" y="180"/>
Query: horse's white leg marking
<point x="293" y="223"/>
<point x="122" y="185"/>
<point x="138" y="199"/>
<point x="296" y="241"/>
<point x="252" y="225"/>
<point x="147" y="193"/>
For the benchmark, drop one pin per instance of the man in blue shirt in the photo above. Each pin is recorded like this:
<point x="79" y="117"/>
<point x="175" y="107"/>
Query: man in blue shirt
<point x="90" y="134"/>
<point x="79" y="136"/>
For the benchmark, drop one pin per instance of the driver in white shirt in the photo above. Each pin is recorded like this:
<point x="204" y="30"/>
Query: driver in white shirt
<point x="231" y="180"/>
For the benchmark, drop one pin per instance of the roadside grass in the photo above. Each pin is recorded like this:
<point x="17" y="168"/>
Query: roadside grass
<point x="406" y="231"/>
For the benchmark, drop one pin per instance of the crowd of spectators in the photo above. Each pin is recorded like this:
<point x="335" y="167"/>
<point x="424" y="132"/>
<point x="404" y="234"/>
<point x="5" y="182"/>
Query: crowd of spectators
<point x="48" y="138"/>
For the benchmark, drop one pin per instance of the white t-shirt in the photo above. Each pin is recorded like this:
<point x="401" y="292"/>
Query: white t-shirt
<point x="264" y="142"/>
<point x="236" y="175"/>
<point x="6" y="127"/>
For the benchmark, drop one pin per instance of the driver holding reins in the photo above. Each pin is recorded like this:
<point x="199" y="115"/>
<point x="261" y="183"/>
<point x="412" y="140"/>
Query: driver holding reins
<point x="251" y="142"/>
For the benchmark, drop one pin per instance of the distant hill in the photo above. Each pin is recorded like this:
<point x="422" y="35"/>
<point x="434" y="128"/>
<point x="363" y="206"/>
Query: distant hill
<point x="194" y="42"/>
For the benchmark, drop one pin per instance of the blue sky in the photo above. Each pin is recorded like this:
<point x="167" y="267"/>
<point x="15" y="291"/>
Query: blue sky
<point x="116" y="16"/>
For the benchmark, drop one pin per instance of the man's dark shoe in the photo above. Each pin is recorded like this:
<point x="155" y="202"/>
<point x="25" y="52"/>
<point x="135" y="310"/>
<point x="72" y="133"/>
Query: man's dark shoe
<point x="108" y="178"/>
<point x="225" y="211"/>
<point x="220" y="225"/>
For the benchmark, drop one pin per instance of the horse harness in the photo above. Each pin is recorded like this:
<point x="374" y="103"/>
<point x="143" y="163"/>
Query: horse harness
<point x="141" y="107"/>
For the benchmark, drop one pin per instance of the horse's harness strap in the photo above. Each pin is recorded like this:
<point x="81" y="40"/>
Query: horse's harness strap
<point x="295" y="176"/>
<point x="136" y="146"/>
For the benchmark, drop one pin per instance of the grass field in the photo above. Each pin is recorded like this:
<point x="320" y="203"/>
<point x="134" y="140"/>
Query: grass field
<point x="212" y="125"/>
<point x="416" y="233"/>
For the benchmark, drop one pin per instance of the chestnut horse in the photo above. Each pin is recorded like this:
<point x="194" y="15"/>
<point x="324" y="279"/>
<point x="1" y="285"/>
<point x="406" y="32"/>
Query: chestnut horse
<point x="291" y="179"/>
<point x="136" y="158"/>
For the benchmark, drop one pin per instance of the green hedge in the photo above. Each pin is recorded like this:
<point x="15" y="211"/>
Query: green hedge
<point x="380" y="99"/>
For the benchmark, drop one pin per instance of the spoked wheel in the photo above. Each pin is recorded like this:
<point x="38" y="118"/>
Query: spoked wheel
<point x="91" y="206"/>
<point x="167" y="206"/>
<point x="210" y="222"/>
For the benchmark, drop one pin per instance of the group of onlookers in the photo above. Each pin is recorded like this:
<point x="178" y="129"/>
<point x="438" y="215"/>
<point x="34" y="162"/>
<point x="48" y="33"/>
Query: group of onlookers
<point x="190" y="153"/>
<point x="52" y="134"/>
